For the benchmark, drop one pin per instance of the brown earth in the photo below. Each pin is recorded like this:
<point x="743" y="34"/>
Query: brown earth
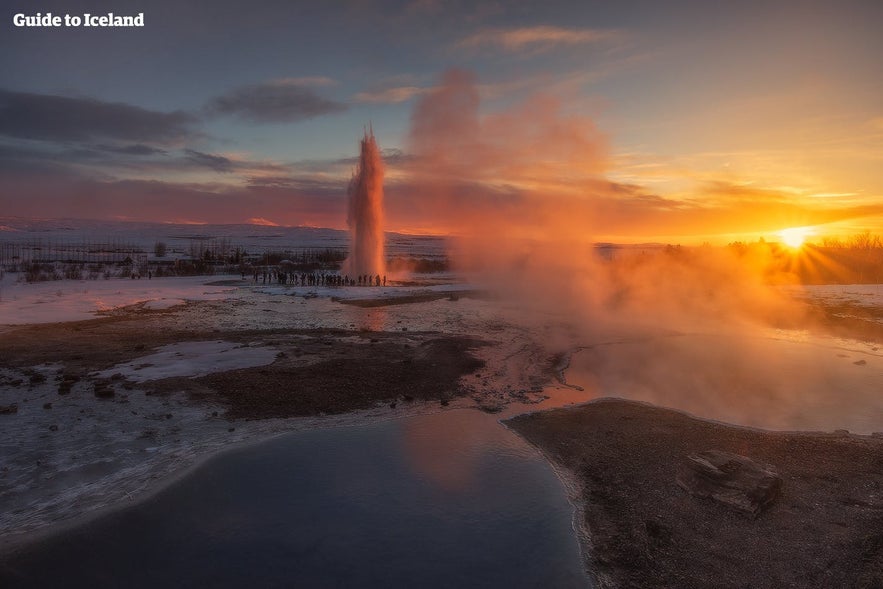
<point x="317" y="371"/>
<point x="345" y="376"/>
<point x="825" y="530"/>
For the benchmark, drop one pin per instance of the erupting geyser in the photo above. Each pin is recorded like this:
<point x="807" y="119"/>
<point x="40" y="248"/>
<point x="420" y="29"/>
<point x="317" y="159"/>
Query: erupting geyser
<point x="365" y="213"/>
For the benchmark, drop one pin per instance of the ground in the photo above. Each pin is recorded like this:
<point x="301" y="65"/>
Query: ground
<point x="91" y="416"/>
<point x="825" y="530"/>
<point x="102" y="410"/>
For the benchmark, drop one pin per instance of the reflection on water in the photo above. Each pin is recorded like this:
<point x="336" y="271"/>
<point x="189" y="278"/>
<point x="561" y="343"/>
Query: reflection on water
<point x="452" y="453"/>
<point x="446" y="500"/>
<point x="783" y="382"/>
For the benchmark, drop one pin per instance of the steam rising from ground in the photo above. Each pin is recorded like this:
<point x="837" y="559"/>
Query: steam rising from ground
<point x="365" y="212"/>
<point x="535" y="247"/>
<point x="529" y="193"/>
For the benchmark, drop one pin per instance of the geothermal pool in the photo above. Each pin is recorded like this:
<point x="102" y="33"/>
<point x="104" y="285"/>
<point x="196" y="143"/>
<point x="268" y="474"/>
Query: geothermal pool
<point x="446" y="500"/>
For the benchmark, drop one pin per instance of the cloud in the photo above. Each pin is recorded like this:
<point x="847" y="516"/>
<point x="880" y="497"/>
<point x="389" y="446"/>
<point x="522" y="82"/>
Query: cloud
<point x="47" y="117"/>
<point x="51" y="191"/>
<point x="390" y="95"/>
<point x="262" y="221"/>
<point x="279" y="101"/>
<point x="138" y="149"/>
<point x="305" y="81"/>
<point x="218" y="163"/>
<point x="537" y="38"/>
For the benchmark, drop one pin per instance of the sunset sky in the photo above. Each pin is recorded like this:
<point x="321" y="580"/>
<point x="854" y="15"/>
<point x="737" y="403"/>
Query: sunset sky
<point x="683" y="122"/>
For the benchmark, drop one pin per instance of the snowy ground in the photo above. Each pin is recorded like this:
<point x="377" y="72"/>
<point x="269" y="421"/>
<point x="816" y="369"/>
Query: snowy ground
<point x="865" y="295"/>
<point x="72" y="300"/>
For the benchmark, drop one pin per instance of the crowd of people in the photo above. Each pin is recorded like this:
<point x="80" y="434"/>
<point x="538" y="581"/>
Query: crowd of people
<point x="316" y="278"/>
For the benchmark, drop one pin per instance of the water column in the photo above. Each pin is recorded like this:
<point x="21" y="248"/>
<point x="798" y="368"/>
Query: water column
<point x="365" y="212"/>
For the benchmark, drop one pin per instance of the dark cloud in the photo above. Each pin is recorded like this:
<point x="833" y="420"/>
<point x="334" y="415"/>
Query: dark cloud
<point x="218" y="163"/>
<point x="64" y="193"/>
<point x="60" y="118"/>
<point x="274" y="102"/>
<point x="137" y="149"/>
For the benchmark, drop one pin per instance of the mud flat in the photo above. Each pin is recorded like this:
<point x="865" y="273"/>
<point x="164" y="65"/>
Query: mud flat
<point x="641" y="530"/>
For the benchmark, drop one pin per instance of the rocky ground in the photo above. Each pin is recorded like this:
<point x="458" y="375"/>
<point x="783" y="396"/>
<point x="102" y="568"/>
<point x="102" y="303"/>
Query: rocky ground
<point x="643" y="530"/>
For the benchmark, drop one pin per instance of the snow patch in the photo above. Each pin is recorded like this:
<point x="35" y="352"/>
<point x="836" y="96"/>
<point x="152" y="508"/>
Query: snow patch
<point x="191" y="359"/>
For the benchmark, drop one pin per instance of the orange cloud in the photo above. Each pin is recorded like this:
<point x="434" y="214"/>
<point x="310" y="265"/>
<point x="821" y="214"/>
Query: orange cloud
<point x="262" y="221"/>
<point x="390" y="95"/>
<point x="537" y="38"/>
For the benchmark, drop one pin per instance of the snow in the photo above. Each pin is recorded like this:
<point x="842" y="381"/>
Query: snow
<point x="192" y="359"/>
<point x="73" y="300"/>
<point x="866" y="295"/>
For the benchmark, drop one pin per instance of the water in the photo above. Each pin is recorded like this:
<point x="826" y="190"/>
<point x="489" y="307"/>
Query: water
<point x="446" y="500"/>
<point x="782" y="380"/>
<point x="365" y="213"/>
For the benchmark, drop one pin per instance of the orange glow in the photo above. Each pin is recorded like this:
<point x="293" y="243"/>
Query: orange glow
<point x="794" y="237"/>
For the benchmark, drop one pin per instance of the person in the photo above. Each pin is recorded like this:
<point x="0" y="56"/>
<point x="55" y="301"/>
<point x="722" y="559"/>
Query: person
<point x="384" y="280"/>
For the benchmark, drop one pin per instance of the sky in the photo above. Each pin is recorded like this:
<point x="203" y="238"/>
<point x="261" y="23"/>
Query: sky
<point x="631" y="121"/>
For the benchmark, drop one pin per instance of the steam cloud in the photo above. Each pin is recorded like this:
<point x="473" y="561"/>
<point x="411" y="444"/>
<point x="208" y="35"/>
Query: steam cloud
<point x="537" y="194"/>
<point x="535" y="176"/>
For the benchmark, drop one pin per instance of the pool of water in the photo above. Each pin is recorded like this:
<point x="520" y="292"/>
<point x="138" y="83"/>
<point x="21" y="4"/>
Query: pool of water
<point x="452" y="499"/>
<point x="779" y="380"/>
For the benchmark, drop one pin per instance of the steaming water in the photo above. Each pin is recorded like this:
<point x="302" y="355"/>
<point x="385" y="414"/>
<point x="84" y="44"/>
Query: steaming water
<point x="365" y="213"/>
<point x="776" y="380"/>
<point x="445" y="500"/>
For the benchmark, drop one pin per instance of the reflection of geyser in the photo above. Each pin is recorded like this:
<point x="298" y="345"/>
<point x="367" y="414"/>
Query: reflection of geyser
<point x="365" y="213"/>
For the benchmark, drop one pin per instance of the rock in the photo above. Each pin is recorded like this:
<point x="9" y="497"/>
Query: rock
<point x="736" y="481"/>
<point x="103" y="390"/>
<point x="53" y="428"/>
<point x="8" y="409"/>
<point x="47" y="405"/>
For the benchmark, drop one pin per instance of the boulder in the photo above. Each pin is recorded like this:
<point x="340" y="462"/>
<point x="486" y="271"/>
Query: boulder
<point x="733" y="480"/>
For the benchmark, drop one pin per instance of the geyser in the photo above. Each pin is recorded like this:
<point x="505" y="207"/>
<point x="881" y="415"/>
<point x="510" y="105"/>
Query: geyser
<point x="365" y="212"/>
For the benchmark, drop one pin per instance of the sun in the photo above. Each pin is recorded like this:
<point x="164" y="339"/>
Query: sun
<point x="794" y="237"/>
